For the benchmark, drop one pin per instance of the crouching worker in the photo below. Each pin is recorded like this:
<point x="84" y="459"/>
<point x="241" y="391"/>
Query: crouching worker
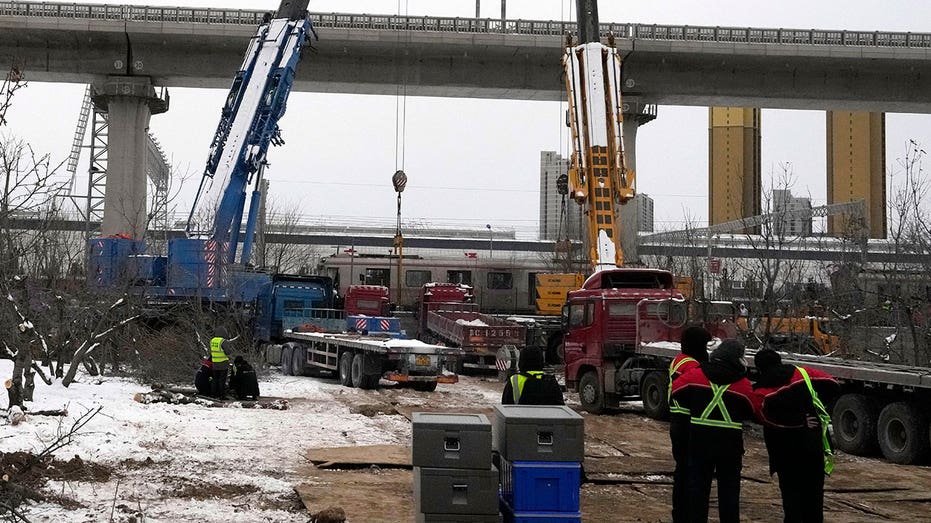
<point x="243" y="381"/>
<point x="203" y="377"/>
<point x="530" y="386"/>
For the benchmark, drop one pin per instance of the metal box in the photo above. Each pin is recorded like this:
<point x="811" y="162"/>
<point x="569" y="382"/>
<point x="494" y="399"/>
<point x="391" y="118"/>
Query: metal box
<point x="457" y="518"/>
<point x="455" y="491"/>
<point x="457" y="441"/>
<point x="538" y="433"/>
<point x="541" y="486"/>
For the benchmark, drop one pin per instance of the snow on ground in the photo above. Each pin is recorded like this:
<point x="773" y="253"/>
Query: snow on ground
<point x="252" y="455"/>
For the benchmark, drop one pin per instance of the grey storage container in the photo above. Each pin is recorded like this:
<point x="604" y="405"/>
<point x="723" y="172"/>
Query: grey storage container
<point x="538" y="433"/>
<point x="455" y="491"/>
<point x="458" y="441"/>
<point x="458" y="518"/>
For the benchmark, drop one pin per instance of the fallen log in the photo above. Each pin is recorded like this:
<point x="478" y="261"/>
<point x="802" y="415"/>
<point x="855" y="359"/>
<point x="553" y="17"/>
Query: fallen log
<point x="177" y="398"/>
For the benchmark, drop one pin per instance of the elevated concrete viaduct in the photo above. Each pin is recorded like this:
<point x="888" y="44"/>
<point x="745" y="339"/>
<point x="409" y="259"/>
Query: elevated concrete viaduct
<point x="484" y="58"/>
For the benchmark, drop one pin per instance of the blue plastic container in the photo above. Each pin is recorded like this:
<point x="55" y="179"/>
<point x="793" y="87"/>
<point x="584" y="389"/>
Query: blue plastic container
<point x="541" y="486"/>
<point x="512" y="516"/>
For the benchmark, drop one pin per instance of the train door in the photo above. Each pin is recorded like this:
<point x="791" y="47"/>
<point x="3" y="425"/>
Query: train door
<point x="532" y="290"/>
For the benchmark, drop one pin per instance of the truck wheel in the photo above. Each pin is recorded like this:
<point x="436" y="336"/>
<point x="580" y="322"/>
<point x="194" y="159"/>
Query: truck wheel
<point x="298" y="358"/>
<point x="903" y="433"/>
<point x="424" y="386"/>
<point x="345" y="369"/>
<point x="854" y="419"/>
<point x="590" y="394"/>
<point x="358" y="371"/>
<point x="654" y="391"/>
<point x="286" y="359"/>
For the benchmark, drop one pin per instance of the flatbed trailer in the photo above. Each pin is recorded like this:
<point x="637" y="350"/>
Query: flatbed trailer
<point x="360" y="361"/>
<point x="881" y="406"/>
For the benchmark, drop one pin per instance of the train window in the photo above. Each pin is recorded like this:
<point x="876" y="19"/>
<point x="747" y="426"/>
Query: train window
<point x="378" y="277"/>
<point x="500" y="280"/>
<point x="417" y="278"/>
<point x="463" y="277"/>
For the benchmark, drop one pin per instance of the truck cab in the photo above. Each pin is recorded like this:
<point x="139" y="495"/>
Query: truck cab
<point x="366" y="300"/>
<point x="607" y="321"/>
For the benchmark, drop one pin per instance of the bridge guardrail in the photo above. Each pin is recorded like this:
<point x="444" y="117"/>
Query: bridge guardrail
<point x="473" y="25"/>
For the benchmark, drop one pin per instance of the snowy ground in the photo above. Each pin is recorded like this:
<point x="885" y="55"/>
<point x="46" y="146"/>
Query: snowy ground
<point x="210" y="464"/>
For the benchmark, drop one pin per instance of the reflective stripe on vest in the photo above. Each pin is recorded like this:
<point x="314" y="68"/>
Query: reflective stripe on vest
<point x="674" y="406"/>
<point x="518" y="381"/>
<point x="825" y="420"/>
<point x="717" y="401"/>
<point x="216" y="351"/>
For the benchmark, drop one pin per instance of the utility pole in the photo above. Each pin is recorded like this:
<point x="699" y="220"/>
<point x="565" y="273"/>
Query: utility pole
<point x="503" y="11"/>
<point x="478" y="8"/>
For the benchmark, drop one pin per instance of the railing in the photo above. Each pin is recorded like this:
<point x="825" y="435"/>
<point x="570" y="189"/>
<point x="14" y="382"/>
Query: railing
<point x="210" y="15"/>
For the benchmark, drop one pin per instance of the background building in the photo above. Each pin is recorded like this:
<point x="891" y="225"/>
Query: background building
<point x="786" y="225"/>
<point x="552" y="164"/>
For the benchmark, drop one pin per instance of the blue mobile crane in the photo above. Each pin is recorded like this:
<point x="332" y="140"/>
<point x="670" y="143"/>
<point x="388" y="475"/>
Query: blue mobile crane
<point x="204" y="266"/>
<point x="283" y="307"/>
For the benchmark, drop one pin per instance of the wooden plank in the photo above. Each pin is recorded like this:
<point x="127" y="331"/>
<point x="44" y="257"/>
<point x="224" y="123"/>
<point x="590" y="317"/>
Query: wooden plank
<point x="361" y="456"/>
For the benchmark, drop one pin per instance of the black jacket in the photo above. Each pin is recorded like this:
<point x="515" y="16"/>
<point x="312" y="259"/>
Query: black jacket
<point x="243" y="381"/>
<point x="538" y="390"/>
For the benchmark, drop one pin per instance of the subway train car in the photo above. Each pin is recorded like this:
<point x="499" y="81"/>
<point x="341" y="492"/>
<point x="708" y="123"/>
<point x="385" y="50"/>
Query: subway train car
<point x="501" y="285"/>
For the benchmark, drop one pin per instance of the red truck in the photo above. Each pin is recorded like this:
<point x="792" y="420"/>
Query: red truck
<point x="447" y="314"/>
<point x="616" y="326"/>
<point x="370" y="300"/>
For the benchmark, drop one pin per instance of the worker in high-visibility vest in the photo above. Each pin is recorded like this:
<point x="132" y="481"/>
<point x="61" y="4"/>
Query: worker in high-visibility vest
<point x="219" y="344"/>
<point x="530" y="385"/>
<point x="795" y="428"/>
<point x="719" y="398"/>
<point x="694" y="345"/>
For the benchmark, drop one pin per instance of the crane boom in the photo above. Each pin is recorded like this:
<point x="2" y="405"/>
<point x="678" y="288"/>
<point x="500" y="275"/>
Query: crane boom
<point x="599" y="180"/>
<point x="249" y="124"/>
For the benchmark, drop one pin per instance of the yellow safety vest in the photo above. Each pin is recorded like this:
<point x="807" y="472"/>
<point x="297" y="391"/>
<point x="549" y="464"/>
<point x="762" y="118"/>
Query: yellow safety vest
<point x="717" y="402"/>
<point x="518" y="381"/>
<point x="216" y="351"/>
<point x="674" y="406"/>
<point x="825" y="419"/>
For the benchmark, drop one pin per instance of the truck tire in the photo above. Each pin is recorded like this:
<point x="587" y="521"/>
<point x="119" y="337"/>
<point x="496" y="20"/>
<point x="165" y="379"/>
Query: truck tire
<point x="272" y="352"/>
<point x="286" y="359"/>
<point x="298" y="359"/>
<point x="903" y="433"/>
<point x="654" y="392"/>
<point x="424" y="386"/>
<point x="854" y="418"/>
<point x="357" y="371"/>
<point x="591" y="395"/>
<point x="345" y="369"/>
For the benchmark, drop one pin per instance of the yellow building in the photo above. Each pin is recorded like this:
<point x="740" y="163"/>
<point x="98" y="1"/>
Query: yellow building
<point x="856" y="159"/>
<point x="733" y="164"/>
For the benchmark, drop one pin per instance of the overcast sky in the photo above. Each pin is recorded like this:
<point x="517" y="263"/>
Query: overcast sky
<point x="472" y="162"/>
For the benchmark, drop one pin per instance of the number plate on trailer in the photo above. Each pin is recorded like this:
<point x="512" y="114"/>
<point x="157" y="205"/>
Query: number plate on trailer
<point x="422" y="361"/>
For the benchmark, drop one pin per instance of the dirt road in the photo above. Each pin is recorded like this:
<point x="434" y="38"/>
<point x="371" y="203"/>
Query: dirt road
<point x="162" y="462"/>
<point x="629" y="467"/>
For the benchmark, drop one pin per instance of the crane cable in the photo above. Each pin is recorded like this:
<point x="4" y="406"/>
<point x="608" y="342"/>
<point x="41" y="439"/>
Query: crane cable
<point x="400" y="101"/>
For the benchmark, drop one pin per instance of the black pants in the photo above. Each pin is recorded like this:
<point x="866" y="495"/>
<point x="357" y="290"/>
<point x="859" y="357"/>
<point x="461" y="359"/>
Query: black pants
<point x="218" y="383"/>
<point x="715" y="453"/>
<point x="679" y="437"/>
<point x="802" y="488"/>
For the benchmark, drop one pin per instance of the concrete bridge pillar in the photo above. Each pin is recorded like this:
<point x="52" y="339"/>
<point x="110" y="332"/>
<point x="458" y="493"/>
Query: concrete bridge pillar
<point x="734" y="182"/>
<point x="856" y="160"/>
<point x="129" y="101"/>
<point x="635" y="114"/>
